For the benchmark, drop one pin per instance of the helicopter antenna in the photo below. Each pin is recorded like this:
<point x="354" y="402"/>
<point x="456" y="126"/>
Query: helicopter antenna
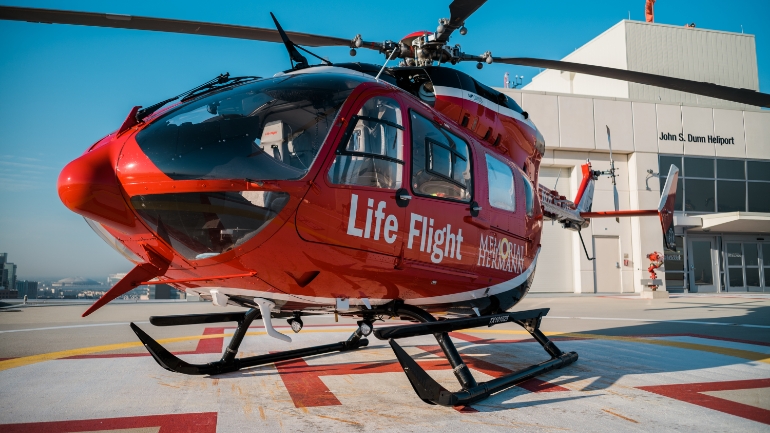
<point x="314" y="54"/>
<point x="557" y="179"/>
<point x="392" y="53"/>
<point x="294" y="55"/>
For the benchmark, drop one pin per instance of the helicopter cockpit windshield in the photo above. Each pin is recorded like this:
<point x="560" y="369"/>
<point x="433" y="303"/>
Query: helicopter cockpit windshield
<point x="271" y="129"/>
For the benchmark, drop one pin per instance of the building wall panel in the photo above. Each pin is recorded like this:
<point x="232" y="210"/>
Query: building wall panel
<point x="757" y="134"/>
<point x="697" y="126"/>
<point x="544" y="112"/>
<point x="645" y="127"/>
<point x="669" y="122"/>
<point x="696" y="54"/>
<point x="616" y="115"/>
<point x="608" y="49"/>
<point x="576" y="123"/>
<point x="729" y="124"/>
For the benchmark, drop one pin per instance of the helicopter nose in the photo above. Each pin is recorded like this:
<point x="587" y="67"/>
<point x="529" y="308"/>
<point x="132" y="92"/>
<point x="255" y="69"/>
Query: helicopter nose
<point x="89" y="186"/>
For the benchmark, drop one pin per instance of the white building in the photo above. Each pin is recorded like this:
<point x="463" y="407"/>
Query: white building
<point x="722" y="149"/>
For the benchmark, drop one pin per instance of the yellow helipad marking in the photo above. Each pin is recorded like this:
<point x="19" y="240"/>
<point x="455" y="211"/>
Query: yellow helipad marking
<point x="34" y="359"/>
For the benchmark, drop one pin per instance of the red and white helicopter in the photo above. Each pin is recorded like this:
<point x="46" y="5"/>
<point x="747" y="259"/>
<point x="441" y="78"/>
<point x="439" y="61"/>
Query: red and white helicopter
<point x="344" y="188"/>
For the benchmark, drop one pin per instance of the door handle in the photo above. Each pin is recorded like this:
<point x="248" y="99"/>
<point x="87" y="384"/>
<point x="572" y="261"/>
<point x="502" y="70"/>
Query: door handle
<point x="403" y="198"/>
<point x="475" y="208"/>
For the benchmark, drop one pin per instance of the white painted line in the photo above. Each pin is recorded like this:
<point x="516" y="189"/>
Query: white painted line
<point x="689" y="322"/>
<point x="67" y="327"/>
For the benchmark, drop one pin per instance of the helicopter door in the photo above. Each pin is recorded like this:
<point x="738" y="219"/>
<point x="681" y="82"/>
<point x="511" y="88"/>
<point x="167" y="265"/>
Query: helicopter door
<point x="355" y="203"/>
<point x="437" y="233"/>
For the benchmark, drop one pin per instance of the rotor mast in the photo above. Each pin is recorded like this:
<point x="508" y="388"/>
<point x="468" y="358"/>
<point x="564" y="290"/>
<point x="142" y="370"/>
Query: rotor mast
<point x="430" y="47"/>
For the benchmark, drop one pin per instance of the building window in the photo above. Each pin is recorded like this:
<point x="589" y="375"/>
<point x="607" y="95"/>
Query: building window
<point x="758" y="185"/>
<point x="441" y="162"/>
<point x="719" y="185"/>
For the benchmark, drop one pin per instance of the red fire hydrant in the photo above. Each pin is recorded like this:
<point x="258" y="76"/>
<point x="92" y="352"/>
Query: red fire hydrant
<point x="656" y="261"/>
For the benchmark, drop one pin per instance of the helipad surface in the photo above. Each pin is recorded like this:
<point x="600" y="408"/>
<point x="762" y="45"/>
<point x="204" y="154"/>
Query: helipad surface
<point x="691" y="363"/>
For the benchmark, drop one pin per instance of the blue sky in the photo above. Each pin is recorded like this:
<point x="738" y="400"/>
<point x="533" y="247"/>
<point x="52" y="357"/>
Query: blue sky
<point x="64" y="87"/>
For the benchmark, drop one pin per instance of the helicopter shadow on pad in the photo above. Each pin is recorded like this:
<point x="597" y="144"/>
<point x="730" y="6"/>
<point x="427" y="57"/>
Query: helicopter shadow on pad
<point x="602" y="362"/>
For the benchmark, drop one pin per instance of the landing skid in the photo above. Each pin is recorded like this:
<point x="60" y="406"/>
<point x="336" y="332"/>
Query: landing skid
<point x="432" y="392"/>
<point x="425" y="386"/>
<point x="229" y="362"/>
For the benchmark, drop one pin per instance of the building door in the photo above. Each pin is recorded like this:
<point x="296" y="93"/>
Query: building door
<point x="748" y="265"/>
<point x="765" y="251"/>
<point x="607" y="264"/>
<point x="702" y="260"/>
<point x="675" y="269"/>
<point x="555" y="241"/>
<point x="437" y="236"/>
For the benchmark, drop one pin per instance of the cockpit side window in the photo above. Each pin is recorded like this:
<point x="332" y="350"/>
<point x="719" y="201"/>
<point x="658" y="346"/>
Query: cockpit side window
<point x="441" y="162"/>
<point x="371" y="152"/>
<point x="502" y="188"/>
<point x="529" y="195"/>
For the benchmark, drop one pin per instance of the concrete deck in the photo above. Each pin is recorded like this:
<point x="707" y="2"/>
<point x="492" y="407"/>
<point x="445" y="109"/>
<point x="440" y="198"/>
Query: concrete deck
<point x="687" y="363"/>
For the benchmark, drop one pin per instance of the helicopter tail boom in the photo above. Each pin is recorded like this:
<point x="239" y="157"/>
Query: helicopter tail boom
<point x="577" y="216"/>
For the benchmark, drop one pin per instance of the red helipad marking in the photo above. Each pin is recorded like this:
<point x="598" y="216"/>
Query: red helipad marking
<point x="531" y="385"/>
<point x="477" y="364"/>
<point x="308" y="390"/>
<point x="465" y="409"/>
<point x="304" y="384"/>
<point x="205" y="422"/>
<point x="211" y="345"/>
<point x="692" y="393"/>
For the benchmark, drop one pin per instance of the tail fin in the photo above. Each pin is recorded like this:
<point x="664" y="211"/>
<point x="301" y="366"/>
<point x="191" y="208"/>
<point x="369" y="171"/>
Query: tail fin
<point x="585" y="194"/>
<point x="666" y="207"/>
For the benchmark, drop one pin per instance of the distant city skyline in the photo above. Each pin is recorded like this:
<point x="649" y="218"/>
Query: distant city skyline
<point x="65" y="87"/>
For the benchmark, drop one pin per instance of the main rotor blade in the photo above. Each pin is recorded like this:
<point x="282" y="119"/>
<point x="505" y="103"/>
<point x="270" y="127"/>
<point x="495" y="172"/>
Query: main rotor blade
<point x="460" y="10"/>
<point x="53" y="16"/>
<point x="742" y="96"/>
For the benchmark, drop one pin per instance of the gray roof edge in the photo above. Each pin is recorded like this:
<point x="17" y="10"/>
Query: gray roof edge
<point x="612" y="98"/>
<point x="690" y="29"/>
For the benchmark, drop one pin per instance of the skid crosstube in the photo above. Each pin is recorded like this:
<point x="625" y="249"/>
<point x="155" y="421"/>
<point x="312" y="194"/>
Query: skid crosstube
<point x="432" y="392"/>
<point x="229" y="362"/>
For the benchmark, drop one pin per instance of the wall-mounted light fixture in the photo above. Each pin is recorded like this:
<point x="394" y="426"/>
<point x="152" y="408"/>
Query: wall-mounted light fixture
<point x="650" y="175"/>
